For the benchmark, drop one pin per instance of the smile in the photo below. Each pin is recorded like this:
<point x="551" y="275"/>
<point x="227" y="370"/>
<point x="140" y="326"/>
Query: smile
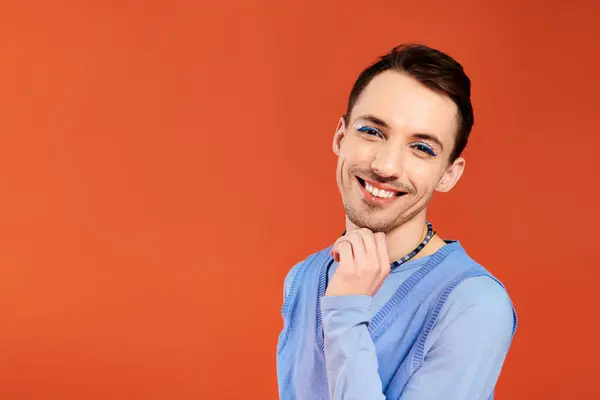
<point x="376" y="193"/>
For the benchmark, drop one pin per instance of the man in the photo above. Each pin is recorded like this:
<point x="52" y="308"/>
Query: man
<point x="391" y="310"/>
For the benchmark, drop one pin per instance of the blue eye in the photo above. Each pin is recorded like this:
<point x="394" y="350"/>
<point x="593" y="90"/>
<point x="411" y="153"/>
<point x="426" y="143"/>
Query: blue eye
<point x="370" y="131"/>
<point x="424" y="147"/>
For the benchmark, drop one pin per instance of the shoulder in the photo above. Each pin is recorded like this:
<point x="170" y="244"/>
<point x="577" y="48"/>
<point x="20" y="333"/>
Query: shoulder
<point x="481" y="307"/>
<point x="293" y="272"/>
<point x="479" y="296"/>
<point x="482" y="291"/>
<point x="291" y="275"/>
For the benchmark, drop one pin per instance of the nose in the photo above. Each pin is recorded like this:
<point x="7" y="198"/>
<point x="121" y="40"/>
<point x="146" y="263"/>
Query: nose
<point x="388" y="161"/>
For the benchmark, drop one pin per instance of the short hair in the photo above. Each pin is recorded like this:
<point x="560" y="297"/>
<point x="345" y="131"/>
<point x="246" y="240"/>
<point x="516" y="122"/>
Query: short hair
<point x="432" y="68"/>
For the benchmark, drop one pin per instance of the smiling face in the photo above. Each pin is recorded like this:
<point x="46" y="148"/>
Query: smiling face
<point x="395" y="151"/>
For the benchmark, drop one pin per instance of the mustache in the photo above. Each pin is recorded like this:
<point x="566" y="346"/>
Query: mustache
<point x="390" y="180"/>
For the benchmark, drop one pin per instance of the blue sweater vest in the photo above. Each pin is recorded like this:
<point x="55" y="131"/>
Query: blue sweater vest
<point x="398" y="330"/>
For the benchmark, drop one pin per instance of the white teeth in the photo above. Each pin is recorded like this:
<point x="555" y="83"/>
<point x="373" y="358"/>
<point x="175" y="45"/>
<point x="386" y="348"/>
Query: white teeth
<point x="378" y="192"/>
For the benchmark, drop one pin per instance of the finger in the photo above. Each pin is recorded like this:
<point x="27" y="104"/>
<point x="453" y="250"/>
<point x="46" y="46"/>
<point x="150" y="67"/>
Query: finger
<point x="371" y="254"/>
<point x="384" y="258"/>
<point x="344" y="252"/>
<point x="358" y="248"/>
<point x="335" y="251"/>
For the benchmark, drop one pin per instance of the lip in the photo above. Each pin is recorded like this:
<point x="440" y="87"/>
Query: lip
<point x="373" y="200"/>
<point x="381" y="186"/>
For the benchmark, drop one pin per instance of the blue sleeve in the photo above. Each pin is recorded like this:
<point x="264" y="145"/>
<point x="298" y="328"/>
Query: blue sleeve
<point x="468" y="345"/>
<point x="350" y="357"/>
<point x="464" y="351"/>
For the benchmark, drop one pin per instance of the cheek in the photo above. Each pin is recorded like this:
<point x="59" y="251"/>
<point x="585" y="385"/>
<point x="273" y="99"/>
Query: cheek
<point x="357" y="152"/>
<point x="424" y="175"/>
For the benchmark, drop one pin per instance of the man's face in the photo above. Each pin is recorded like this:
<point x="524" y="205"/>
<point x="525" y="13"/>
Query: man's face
<point x="395" y="151"/>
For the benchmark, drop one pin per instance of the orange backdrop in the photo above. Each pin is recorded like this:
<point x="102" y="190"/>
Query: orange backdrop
<point x="163" y="164"/>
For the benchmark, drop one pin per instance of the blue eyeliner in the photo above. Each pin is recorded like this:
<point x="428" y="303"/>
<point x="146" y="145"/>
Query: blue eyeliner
<point x="368" y="129"/>
<point x="425" y="148"/>
<point x="421" y="146"/>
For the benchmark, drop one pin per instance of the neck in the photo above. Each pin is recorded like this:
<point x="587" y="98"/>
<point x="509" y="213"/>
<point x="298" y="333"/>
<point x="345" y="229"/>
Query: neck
<point x="403" y="239"/>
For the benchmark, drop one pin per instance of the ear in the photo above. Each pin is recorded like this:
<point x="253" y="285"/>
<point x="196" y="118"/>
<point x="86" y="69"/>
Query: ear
<point x="340" y="131"/>
<point x="451" y="176"/>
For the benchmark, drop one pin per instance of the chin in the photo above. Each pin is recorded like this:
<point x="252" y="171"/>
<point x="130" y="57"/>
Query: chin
<point x="370" y="220"/>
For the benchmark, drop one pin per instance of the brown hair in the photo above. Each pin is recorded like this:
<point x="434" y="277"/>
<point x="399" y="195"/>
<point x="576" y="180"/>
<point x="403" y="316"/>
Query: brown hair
<point x="432" y="68"/>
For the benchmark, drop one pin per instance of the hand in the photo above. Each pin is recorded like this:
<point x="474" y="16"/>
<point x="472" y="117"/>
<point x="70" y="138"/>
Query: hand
<point x="363" y="263"/>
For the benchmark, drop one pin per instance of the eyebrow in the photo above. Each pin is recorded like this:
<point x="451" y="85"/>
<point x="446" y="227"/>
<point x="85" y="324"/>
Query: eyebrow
<point x="419" y="135"/>
<point x="375" y="120"/>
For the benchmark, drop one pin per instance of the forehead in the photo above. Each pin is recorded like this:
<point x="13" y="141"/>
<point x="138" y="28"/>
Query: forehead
<point x="408" y="106"/>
